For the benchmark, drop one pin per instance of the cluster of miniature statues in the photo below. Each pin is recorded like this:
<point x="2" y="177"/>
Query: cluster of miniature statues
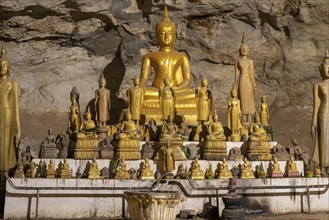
<point x="164" y="115"/>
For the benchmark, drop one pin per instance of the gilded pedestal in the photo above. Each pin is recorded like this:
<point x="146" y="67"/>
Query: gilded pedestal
<point x="215" y="150"/>
<point x="86" y="148"/>
<point x="259" y="150"/>
<point x="128" y="149"/>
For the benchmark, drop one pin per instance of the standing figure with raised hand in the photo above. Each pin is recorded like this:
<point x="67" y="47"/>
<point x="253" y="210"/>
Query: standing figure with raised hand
<point x="135" y="97"/>
<point x="102" y="103"/>
<point x="10" y="129"/>
<point x="245" y="82"/>
<point x="204" y="99"/>
<point x="320" y="122"/>
<point x="263" y="112"/>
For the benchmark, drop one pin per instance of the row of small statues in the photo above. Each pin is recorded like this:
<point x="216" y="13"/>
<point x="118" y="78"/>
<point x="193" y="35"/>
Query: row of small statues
<point x="92" y="171"/>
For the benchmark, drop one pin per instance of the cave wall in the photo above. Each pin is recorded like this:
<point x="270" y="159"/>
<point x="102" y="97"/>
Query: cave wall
<point x="55" y="45"/>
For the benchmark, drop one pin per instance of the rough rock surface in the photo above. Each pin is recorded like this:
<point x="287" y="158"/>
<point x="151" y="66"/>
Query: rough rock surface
<point x="55" y="45"/>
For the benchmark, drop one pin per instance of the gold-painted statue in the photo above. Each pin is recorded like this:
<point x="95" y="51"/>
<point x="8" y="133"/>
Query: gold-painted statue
<point x="204" y="100"/>
<point x="209" y="172"/>
<point x="263" y="112"/>
<point x="10" y="129"/>
<point x="222" y="171"/>
<point x="246" y="171"/>
<point x="51" y="169"/>
<point x="291" y="168"/>
<point x="94" y="172"/>
<point x="169" y="159"/>
<point x="167" y="62"/>
<point x="259" y="142"/>
<point x="122" y="172"/>
<point x="19" y="173"/>
<point x="274" y="169"/>
<point x="215" y="144"/>
<point x="102" y="103"/>
<point x="135" y="96"/>
<point x="87" y="140"/>
<point x="167" y="100"/>
<point x="320" y="121"/>
<point x="234" y="116"/>
<point x="195" y="171"/>
<point x="246" y="84"/>
<point x="128" y="142"/>
<point x="170" y="130"/>
<point x="31" y="171"/>
<point x="74" y="123"/>
<point x="145" y="171"/>
<point x="64" y="170"/>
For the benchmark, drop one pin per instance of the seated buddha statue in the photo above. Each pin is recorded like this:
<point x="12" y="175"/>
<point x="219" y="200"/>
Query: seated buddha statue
<point x="145" y="171"/>
<point x="215" y="129"/>
<point x="246" y="171"/>
<point x="170" y="130"/>
<point x="223" y="172"/>
<point x="167" y="62"/>
<point x="195" y="171"/>
<point x="94" y="172"/>
<point x="128" y="140"/>
<point x="64" y="170"/>
<point x="291" y="168"/>
<point x="122" y="172"/>
<point x="257" y="131"/>
<point x="51" y="169"/>
<point x="87" y="126"/>
<point x="274" y="170"/>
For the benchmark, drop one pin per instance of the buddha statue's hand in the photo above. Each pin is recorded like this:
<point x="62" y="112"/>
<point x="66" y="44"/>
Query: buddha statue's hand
<point x="313" y="131"/>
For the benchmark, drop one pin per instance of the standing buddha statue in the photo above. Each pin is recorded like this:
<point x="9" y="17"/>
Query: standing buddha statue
<point x="234" y="116"/>
<point x="246" y="84"/>
<point x="135" y="97"/>
<point x="204" y="100"/>
<point x="263" y="112"/>
<point x="102" y="103"/>
<point x="167" y="100"/>
<point x="74" y="116"/>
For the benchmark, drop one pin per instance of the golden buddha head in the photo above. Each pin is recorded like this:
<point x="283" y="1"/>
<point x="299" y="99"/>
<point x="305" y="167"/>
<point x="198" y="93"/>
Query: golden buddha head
<point x="263" y="99"/>
<point x="234" y="92"/>
<point x="166" y="81"/>
<point x="102" y="81"/>
<point x="204" y="82"/>
<point x="244" y="49"/>
<point x="275" y="159"/>
<point x="324" y="68"/>
<point x="88" y="114"/>
<point x="292" y="159"/>
<point x="4" y="63"/>
<point x="215" y="116"/>
<point x="224" y="160"/>
<point x="166" y="30"/>
<point x="136" y="80"/>
<point x="128" y="116"/>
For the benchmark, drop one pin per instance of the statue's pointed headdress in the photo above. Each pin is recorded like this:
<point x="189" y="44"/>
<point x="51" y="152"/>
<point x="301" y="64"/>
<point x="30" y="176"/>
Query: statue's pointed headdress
<point x="3" y="58"/>
<point x="326" y="58"/>
<point x="166" y="21"/>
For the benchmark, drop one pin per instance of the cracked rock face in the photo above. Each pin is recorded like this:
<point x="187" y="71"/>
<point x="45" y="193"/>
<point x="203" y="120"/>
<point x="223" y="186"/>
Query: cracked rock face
<point x="55" y="45"/>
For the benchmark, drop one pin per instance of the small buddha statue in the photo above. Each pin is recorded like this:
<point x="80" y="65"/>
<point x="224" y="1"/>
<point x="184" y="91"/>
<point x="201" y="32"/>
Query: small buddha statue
<point x="180" y="172"/>
<point x="209" y="172"/>
<point x="170" y="130"/>
<point x="74" y="122"/>
<point x="257" y="131"/>
<point x="215" y="129"/>
<point x="317" y="171"/>
<point x="87" y="127"/>
<point x="169" y="159"/>
<point x="94" y="172"/>
<point x="135" y="96"/>
<point x="204" y="100"/>
<point x="128" y="140"/>
<point x="167" y="100"/>
<point x="234" y="116"/>
<point x="184" y="130"/>
<point x="195" y="171"/>
<point x="122" y="172"/>
<point x="223" y="172"/>
<point x="145" y="172"/>
<point x="48" y="146"/>
<point x="246" y="171"/>
<point x="263" y="112"/>
<point x="19" y="173"/>
<point x="31" y="171"/>
<point x="291" y="168"/>
<point x="41" y="170"/>
<point x="102" y="102"/>
<point x="65" y="172"/>
<point x="274" y="169"/>
<point x="51" y="169"/>
<point x="245" y="82"/>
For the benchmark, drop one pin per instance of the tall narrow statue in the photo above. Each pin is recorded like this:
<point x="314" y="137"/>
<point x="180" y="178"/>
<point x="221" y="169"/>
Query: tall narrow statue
<point x="135" y="97"/>
<point x="263" y="112"/>
<point x="234" y="116"/>
<point x="245" y="82"/>
<point x="74" y="116"/>
<point x="320" y="122"/>
<point x="167" y="100"/>
<point x="10" y="129"/>
<point x="102" y="103"/>
<point x="204" y="97"/>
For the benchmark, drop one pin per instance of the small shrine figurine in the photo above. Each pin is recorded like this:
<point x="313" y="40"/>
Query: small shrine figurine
<point x="48" y="146"/>
<point x="128" y="140"/>
<point x="94" y="172"/>
<point x="204" y="100"/>
<point x="274" y="169"/>
<point x="234" y="116"/>
<point x="209" y="172"/>
<point x="31" y="171"/>
<point x="235" y="154"/>
<point x="184" y="130"/>
<point x="215" y="144"/>
<point x="195" y="171"/>
<point x="19" y="173"/>
<point x="51" y="169"/>
<point x="167" y="100"/>
<point x="74" y="122"/>
<point x="259" y="147"/>
<point x="102" y="102"/>
<point x="10" y="129"/>
<point x="181" y="174"/>
<point x="246" y="171"/>
<point x="246" y="84"/>
<point x="64" y="170"/>
<point x="263" y="112"/>
<point x="320" y="120"/>
<point x="291" y="168"/>
<point x="145" y="172"/>
<point x="169" y="159"/>
<point x="222" y="171"/>
<point x="41" y="169"/>
<point x="122" y="172"/>
<point x="135" y="96"/>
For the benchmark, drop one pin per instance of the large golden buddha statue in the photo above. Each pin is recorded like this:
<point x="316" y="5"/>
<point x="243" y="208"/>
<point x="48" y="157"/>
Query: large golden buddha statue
<point x="167" y="62"/>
